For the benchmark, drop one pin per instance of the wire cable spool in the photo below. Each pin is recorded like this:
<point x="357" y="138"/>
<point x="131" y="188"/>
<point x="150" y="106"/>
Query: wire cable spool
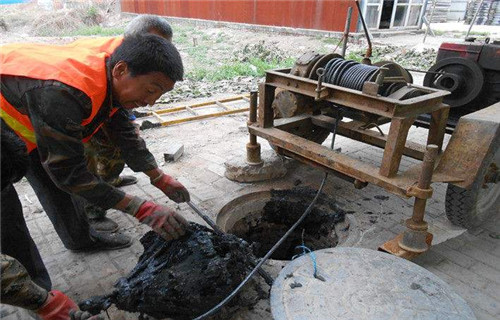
<point x="348" y="73"/>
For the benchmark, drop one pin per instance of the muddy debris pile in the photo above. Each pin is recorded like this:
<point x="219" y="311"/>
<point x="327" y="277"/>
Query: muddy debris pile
<point x="285" y="207"/>
<point x="182" y="278"/>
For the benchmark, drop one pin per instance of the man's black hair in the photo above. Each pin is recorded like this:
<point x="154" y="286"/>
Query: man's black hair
<point x="149" y="53"/>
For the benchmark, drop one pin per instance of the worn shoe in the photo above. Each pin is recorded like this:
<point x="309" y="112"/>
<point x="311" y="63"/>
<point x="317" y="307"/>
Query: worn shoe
<point x="124" y="181"/>
<point x="107" y="241"/>
<point x="103" y="224"/>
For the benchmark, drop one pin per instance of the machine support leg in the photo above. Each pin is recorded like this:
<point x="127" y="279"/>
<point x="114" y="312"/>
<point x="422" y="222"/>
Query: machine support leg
<point x="438" y="127"/>
<point x="414" y="238"/>
<point x="266" y="97"/>
<point x="253" y="147"/>
<point x="395" y="146"/>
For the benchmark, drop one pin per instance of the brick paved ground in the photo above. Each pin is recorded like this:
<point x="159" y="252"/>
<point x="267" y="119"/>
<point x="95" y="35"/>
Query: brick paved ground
<point x="468" y="261"/>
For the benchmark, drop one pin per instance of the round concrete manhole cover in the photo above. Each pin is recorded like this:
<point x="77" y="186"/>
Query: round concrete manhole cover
<point x="362" y="284"/>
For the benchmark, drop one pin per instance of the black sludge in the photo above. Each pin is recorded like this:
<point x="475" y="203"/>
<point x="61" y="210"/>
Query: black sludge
<point x="182" y="278"/>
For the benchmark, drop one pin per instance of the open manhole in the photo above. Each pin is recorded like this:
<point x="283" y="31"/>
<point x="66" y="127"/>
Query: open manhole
<point x="264" y="217"/>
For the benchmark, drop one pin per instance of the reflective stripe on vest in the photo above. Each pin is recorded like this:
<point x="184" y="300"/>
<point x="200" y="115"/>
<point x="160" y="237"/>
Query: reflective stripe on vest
<point x="18" y="122"/>
<point x="81" y="66"/>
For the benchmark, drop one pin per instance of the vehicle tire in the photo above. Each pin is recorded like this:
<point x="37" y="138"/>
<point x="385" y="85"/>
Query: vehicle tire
<point x="470" y="208"/>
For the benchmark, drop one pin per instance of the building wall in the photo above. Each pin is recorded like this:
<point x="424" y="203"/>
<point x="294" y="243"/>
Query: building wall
<point x="308" y="14"/>
<point x="457" y="10"/>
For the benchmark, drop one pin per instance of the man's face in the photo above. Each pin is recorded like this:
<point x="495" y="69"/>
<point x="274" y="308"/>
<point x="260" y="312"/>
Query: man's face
<point x="139" y="91"/>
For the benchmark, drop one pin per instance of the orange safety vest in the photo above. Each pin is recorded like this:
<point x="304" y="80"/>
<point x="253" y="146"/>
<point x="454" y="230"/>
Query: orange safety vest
<point x="81" y="66"/>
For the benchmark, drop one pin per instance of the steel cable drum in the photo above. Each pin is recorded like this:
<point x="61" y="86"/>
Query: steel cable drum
<point x="462" y="77"/>
<point x="351" y="74"/>
<point x="347" y="78"/>
<point x="321" y="63"/>
<point x="330" y="70"/>
<point x="346" y="65"/>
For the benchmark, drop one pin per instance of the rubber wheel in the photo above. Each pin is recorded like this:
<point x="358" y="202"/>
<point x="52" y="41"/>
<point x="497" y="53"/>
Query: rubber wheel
<point x="470" y="208"/>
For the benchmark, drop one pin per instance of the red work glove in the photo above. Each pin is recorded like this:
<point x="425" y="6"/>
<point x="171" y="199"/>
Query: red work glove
<point x="171" y="188"/>
<point x="56" y="307"/>
<point x="166" y="222"/>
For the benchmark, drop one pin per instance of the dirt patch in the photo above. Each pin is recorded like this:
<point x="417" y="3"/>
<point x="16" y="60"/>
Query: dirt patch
<point x="317" y="231"/>
<point x="184" y="278"/>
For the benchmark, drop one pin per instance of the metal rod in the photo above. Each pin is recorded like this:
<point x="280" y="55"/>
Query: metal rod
<point x="423" y="71"/>
<point x="430" y="21"/>
<point x="253" y="107"/>
<point x="346" y="30"/>
<point x="474" y="18"/>
<point x="206" y="218"/>
<point x="253" y="148"/>
<point x="368" y="53"/>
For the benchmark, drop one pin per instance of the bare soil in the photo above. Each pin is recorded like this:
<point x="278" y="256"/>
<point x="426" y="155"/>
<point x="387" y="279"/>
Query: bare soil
<point x="218" y="45"/>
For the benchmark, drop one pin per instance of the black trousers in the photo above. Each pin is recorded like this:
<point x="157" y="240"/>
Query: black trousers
<point x="16" y="239"/>
<point x="66" y="213"/>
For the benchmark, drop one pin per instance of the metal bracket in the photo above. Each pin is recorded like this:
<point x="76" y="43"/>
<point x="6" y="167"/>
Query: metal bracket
<point x="415" y="191"/>
<point x="321" y="92"/>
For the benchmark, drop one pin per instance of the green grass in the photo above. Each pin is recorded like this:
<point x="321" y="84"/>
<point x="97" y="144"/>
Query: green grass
<point x="254" y="68"/>
<point x="198" y="53"/>
<point x="96" y="31"/>
<point x="329" y="40"/>
<point x="355" y="55"/>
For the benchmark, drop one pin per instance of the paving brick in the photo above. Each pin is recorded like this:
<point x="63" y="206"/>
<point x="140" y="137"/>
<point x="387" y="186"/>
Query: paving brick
<point x="483" y="241"/>
<point x="173" y="152"/>
<point x="212" y="158"/>
<point x="205" y="176"/>
<point x="217" y="169"/>
<point x="429" y="258"/>
<point x="475" y="298"/>
<point x="480" y="255"/>
<point x="454" y="256"/>
<point x="227" y="186"/>
<point x="205" y="193"/>
<point x="474" y="280"/>
<point x="493" y="274"/>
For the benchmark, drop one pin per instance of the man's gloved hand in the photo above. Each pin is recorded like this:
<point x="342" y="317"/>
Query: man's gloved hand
<point x="84" y="315"/>
<point x="166" y="222"/>
<point x="56" y="307"/>
<point x="171" y="188"/>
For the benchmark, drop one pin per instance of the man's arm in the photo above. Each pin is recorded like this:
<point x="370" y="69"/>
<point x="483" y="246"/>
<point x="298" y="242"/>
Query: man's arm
<point x="125" y="134"/>
<point x="56" y="114"/>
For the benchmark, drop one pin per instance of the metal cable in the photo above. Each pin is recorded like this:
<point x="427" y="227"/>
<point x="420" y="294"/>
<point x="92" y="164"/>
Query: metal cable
<point x="271" y="251"/>
<point x="348" y="73"/>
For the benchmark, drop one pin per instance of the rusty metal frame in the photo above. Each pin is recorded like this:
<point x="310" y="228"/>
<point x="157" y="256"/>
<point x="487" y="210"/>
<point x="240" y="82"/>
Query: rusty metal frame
<point x="401" y="114"/>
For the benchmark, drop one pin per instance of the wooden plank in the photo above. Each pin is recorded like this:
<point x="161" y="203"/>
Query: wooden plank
<point x="201" y="104"/>
<point x="203" y="116"/>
